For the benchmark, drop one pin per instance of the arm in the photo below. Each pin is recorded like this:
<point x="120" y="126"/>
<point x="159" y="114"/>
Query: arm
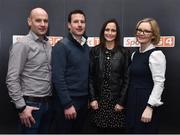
<point x="125" y="80"/>
<point x="59" y="62"/>
<point x="92" y="75"/>
<point x="17" y="60"/>
<point x="93" y="100"/>
<point x="157" y="64"/>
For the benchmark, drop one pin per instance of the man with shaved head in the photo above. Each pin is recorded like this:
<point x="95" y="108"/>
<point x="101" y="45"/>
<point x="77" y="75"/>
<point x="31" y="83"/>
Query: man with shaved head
<point x="29" y="75"/>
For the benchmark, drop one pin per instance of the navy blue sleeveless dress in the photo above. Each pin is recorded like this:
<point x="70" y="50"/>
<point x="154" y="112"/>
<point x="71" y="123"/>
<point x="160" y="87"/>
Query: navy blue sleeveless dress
<point x="140" y="87"/>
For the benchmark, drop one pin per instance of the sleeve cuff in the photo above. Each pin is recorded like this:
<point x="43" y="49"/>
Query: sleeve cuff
<point x="20" y="103"/>
<point x="20" y="110"/>
<point x="68" y="105"/>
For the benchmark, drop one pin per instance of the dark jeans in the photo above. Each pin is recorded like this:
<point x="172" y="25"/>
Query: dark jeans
<point x="64" y="126"/>
<point x="42" y="117"/>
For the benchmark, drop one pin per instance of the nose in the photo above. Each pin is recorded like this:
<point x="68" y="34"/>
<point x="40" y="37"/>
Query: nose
<point x="79" y="23"/>
<point x="110" y="32"/>
<point x="42" y="23"/>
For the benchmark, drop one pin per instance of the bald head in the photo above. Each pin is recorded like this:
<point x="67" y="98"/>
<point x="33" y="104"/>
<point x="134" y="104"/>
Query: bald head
<point x="37" y="11"/>
<point x="38" y="21"/>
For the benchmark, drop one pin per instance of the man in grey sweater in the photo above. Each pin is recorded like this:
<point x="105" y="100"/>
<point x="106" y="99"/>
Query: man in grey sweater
<point x="29" y="75"/>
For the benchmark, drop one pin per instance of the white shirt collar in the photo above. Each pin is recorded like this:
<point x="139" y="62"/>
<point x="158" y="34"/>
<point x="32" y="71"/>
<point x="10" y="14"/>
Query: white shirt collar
<point x="82" y="41"/>
<point x="151" y="46"/>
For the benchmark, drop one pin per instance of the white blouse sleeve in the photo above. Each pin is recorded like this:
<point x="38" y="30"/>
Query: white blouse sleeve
<point x="157" y="64"/>
<point x="132" y="56"/>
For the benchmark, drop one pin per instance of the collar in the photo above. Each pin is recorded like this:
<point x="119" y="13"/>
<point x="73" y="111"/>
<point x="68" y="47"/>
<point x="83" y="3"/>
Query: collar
<point x="151" y="46"/>
<point x="82" y="41"/>
<point x="34" y="37"/>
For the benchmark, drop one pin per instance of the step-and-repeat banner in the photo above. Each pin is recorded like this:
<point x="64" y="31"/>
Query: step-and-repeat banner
<point x="165" y="41"/>
<point x="13" y="26"/>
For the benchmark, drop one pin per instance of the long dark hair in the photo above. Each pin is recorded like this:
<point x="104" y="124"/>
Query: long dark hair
<point x="117" y="39"/>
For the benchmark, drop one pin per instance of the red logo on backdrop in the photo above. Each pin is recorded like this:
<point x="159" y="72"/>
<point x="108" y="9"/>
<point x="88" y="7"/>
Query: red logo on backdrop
<point x="54" y="39"/>
<point x="165" y="41"/>
<point x="93" y="41"/>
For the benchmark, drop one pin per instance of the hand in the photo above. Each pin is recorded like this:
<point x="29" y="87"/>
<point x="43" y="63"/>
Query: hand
<point x="70" y="113"/>
<point x="118" y="108"/>
<point x="94" y="105"/>
<point x="147" y="115"/>
<point x="26" y="117"/>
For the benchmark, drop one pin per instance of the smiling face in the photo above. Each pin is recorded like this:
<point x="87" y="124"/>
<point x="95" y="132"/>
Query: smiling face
<point x="110" y="32"/>
<point x="38" y="21"/>
<point x="77" y="25"/>
<point x="144" y="33"/>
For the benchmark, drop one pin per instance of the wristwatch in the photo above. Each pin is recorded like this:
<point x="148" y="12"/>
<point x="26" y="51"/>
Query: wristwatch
<point x="150" y="106"/>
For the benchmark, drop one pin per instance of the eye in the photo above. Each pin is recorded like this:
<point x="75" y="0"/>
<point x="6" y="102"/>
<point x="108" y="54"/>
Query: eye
<point x="75" y="21"/>
<point x="147" y="31"/>
<point x="38" y="20"/>
<point x="139" y="30"/>
<point x="143" y="31"/>
<point x="45" y="21"/>
<point x="82" y="21"/>
<point x="113" y="30"/>
<point x="107" y="30"/>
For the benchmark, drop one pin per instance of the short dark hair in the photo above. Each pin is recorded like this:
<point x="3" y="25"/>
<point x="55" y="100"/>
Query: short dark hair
<point x="117" y="39"/>
<point x="77" y="11"/>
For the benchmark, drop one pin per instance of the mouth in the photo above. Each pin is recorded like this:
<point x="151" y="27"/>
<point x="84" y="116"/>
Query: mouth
<point x="42" y="30"/>
<point x="141" y="37"/>
<point x="110" y="37"/>
<point x="79" y="30"/>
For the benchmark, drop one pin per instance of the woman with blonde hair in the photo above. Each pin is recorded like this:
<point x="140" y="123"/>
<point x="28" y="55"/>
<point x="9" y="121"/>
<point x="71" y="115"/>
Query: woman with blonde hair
<point x="147" y="76"/>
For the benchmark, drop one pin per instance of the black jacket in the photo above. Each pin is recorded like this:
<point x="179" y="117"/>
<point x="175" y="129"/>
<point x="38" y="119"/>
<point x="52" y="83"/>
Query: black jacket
<point x="119" y="73"/>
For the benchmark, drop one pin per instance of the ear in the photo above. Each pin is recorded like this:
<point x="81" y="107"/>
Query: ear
<point x="29" y="21"/>
<point x="69" y="25"/>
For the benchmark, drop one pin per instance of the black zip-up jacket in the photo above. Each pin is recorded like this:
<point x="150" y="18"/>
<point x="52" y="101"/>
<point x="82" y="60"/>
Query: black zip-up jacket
<point x="118" y="77"/>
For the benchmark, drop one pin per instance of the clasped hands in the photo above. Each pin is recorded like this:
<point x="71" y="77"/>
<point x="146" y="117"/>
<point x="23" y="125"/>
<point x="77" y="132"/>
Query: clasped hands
<point x="94" y="105"/>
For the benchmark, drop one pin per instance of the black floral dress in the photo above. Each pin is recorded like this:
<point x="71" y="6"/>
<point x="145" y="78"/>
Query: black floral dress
<point x="106" y="116"/>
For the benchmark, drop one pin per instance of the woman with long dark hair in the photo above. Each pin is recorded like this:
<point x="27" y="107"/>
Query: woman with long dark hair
<point x="108" y="80"/>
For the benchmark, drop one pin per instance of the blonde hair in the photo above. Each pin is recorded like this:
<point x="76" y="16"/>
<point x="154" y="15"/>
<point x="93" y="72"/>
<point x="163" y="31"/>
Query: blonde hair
<point x="154" y="27"/>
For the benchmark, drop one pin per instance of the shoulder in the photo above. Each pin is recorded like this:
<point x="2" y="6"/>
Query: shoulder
<point x="124" y="50"/>
<point x="22" y="44"/>
<point x="60" y="44"/>
<point x="157" y="53"/>
<point x="25" y="42"/>
<point x="157" y="56"/>
<point x="61" y="47"/>
<point x="132" y="55"/>
<point x="95" y="49"/>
